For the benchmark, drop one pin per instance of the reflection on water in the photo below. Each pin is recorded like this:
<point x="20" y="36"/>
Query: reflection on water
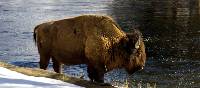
<point x="171" y="29"/>
<point x="172" y="24"/>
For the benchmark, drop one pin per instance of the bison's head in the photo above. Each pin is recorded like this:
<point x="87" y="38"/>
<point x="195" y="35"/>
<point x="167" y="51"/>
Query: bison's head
<point x="136" y="50"/>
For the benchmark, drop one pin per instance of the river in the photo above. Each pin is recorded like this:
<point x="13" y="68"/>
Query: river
<point x="171" y="31"/>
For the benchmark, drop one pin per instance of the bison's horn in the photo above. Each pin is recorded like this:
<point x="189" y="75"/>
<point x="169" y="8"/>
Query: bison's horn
<point x="137" y="44"/>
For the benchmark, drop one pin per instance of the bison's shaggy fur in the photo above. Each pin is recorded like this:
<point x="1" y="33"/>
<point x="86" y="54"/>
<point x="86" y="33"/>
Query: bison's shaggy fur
<point x="89" y="39"/>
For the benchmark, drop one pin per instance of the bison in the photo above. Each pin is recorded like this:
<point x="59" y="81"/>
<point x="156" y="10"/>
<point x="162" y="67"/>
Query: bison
<point x="96" y="41"/>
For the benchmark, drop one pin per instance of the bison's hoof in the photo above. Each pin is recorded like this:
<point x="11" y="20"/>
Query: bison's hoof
<point x="103" y="84"/>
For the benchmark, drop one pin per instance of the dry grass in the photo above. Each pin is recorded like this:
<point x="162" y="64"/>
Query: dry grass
<point x="48" y="74"/>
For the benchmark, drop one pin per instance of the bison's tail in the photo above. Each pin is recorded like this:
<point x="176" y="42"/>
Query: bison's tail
<point x="34" y="34"/>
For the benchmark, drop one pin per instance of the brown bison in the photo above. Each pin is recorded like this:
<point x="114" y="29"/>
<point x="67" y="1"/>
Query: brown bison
<point x="89" y="39"/>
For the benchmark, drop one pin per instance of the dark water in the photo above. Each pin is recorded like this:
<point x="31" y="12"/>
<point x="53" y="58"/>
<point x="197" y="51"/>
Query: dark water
<point x="171" y="29"/>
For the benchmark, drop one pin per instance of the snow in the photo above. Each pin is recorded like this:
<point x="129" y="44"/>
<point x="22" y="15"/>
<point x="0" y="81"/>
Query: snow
<point x="12" y="79"/>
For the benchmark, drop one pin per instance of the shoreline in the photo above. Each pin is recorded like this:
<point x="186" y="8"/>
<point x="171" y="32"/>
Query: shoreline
<point x="49" y="74"/>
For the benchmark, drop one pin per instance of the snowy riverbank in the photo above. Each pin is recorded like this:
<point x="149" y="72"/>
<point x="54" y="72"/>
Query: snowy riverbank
<point x="12" y="79"/>
<point x="20" y="77"/>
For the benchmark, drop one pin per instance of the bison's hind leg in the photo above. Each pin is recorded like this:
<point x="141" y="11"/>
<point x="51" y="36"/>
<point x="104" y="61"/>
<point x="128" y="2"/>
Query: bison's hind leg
<point x="56" y="65"/>
<point x="44" y="61"/>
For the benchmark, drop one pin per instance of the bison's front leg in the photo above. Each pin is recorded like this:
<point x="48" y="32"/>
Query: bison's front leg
<point x="91" y="72"/>
<point x="99" y="77"/>
<point x="96" y="74"/>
